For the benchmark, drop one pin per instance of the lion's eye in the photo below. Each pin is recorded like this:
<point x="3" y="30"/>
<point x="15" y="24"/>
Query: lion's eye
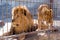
<point x="24" y="12"/>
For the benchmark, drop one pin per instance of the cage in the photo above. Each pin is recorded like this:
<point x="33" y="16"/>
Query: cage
<point x="6" y="19"/>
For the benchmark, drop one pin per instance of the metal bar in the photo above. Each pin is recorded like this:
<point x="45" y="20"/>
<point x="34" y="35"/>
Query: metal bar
<point x="51" y="1"/>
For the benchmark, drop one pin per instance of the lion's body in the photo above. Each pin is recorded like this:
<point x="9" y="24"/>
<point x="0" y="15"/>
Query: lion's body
<point x="45" y="17"/>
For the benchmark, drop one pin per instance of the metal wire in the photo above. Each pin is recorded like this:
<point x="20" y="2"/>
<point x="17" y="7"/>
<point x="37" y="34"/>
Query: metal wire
<point x="32" y="9"/>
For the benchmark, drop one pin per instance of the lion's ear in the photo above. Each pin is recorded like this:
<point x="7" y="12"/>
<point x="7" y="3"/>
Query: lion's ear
<point x="51" y="11"/>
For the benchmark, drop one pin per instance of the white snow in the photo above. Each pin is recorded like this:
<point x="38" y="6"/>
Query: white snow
<point x="7" y="26"/>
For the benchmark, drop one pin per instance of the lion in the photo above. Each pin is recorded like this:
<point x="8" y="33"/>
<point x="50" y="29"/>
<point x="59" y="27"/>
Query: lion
<point x="21" y="19"/>
<point x="45" y="17"/>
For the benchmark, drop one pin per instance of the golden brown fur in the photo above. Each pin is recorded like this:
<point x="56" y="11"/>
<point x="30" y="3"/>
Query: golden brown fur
<point x="21" y="19"/>
<point x="45" y="17"/>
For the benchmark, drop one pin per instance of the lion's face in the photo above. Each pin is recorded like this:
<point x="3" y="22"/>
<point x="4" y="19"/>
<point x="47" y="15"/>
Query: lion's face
<point x="45" y="13"/>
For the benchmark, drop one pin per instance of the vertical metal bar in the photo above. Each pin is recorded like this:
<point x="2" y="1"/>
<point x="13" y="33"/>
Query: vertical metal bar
<point x="7" y="15"/>
<point x="11" y="11"/>
<point x="28" y="2"/>
<point x="11" y="16"/>
<point x="2" y="14"/>
<point x="51" y="3"/>
<point x="2" y="19"/>
<point x="19" y="2"/>
<point x="33" y="9"/>
<point x="23" y="11"/>
<point x="15" y="2"/>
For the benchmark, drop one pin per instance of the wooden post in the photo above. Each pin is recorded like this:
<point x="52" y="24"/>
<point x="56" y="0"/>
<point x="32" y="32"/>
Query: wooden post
<point x="51" y="3"/>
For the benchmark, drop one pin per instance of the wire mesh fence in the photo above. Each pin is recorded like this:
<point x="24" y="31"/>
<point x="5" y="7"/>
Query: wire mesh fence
<point x="6" y="16"/>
